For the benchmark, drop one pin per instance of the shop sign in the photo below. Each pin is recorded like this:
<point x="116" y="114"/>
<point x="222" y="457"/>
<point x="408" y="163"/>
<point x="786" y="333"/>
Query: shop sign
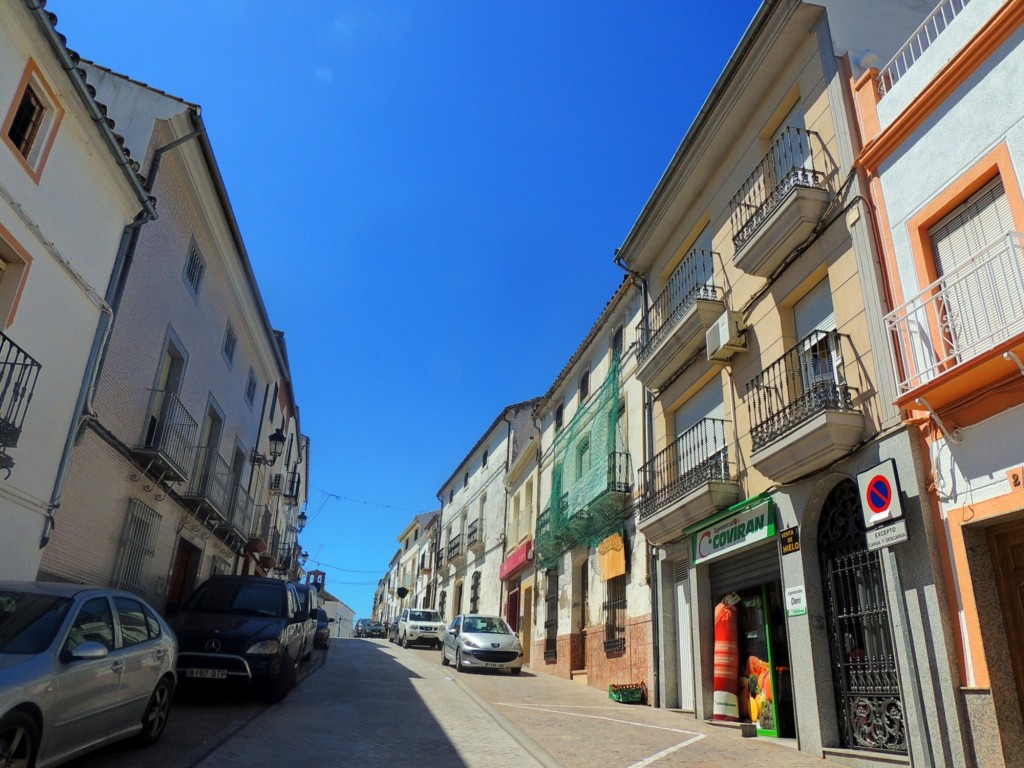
<point x="748" y="526"/>
<point x="887" y="535"/>
<point x="790" y="539"/>
<point x="515" y="562"/>
<point x="796" y="601"/>
<point x="880" y="494"/>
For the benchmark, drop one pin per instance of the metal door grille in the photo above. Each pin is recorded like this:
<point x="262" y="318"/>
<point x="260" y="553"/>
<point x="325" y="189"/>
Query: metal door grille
<point x="551" y="620"/>
<point x="868" y="700"/>
<point x="138" y="543"/>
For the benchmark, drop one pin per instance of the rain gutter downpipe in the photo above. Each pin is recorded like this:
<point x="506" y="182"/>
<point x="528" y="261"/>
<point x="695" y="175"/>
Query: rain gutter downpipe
<point x="82" y="411"/>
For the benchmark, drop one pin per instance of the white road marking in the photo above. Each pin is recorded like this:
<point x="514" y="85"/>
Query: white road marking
<point x="647" y="760"/>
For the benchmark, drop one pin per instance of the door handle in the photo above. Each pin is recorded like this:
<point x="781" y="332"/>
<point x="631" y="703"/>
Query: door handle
<point x="117" y="666"/>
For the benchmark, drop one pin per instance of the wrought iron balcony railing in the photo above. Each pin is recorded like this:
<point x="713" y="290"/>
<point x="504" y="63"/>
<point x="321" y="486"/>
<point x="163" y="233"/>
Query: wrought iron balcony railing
<point x="919" y="42"/>
<point x="18" y="375"/>
<point x="961" y="316"/>
<point x="212" y="482"/>
<point x="697" y="457"/>
<point x="170" y="431"/>
<point x="455" y="547"/>
<point x="292" y="483"/>
<point x="243" y="511"/>
<point x="790" y="163"/>
<point x="474" y="534"/>
<point x="691" y="280"/>
<point x="808" y="379"/>
<point x="260" y="536"/>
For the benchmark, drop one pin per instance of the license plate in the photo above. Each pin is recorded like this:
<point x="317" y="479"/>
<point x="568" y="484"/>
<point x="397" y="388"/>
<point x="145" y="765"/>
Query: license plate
<point x="207" y="674"/>
<point x="492" y="665"/>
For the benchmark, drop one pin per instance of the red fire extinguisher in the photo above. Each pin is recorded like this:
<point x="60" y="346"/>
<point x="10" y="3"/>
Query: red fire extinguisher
<point x="727" y="659"/>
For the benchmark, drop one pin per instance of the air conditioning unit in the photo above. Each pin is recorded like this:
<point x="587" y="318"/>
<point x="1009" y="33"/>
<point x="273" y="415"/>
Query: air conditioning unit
<point x="725" y="337"/>
<point x="276" y="484"/>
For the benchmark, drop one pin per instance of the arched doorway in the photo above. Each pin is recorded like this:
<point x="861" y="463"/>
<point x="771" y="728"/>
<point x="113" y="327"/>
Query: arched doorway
<point x="869" y="706"/>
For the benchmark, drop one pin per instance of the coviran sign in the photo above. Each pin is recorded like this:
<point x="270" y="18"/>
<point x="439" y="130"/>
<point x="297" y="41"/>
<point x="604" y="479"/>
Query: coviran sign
<point x="741" y="529"/>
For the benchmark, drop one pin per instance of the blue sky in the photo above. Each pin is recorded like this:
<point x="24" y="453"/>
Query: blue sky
<point x="431" y="194"/>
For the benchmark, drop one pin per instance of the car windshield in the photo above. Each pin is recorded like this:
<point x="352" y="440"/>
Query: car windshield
<point x="485" y="625"/>
<point x="29" y="622"/>
<point x="424" y="616"/>
<point x="238" y="597"/>
<point x="375" y="625"/>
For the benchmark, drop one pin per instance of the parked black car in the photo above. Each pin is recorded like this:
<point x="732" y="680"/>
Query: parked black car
<point x="360" y="628"/>
<point x="373" y="629"/>
<point x="322" y="638"/>
<point x="247" y="629"/>
<point x="309" y="604"/>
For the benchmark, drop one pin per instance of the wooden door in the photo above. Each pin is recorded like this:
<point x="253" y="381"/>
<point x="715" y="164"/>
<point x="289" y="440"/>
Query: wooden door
<point x="1007" y="545"/>
<point x="183" y="574"/>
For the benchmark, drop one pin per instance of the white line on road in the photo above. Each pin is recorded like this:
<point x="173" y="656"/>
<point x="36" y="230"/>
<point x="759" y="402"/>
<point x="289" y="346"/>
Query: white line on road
<point x="647" y="760"/>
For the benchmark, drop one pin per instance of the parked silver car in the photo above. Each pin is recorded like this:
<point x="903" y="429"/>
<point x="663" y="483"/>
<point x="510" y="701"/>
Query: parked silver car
<point x="80" y="667"/>
<point x="476" y="641"/>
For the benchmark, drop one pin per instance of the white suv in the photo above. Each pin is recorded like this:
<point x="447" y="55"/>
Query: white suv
<point x="420" y="625"/>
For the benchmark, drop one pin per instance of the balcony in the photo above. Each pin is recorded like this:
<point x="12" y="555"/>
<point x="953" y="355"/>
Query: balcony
<point x="672" y="330"/>
<point x="18" y="375"/>
<point x="212" y="485"/>
<point x="259" y="539"/>
<point x="475" y="536"/>
<point x="239" y="523"/>
<point x="801" y="409"/>
<point x="963" y="331"/>
<point x="268" y="559"/>
<point x="781" y="202"/>
<point x="170" y="436"/>
<point x="687" y="482"/>
<point x="290" y="489"/>
<point x="456" y="550"/>
<point x="919" y="42"/>
<point x="594" y="518"/>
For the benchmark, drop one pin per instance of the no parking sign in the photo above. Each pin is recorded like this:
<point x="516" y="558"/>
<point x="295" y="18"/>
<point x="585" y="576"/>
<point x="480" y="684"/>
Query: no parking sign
<point x="880" y="494"/>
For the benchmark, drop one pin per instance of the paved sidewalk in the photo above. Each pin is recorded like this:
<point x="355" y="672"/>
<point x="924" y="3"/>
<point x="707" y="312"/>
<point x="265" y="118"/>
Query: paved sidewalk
<point x="577" y="726"/>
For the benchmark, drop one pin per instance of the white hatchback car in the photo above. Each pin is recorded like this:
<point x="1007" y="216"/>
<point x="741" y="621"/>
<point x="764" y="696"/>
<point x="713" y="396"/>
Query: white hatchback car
<point x="417" y="626"/>
<point x="475" y="641"/>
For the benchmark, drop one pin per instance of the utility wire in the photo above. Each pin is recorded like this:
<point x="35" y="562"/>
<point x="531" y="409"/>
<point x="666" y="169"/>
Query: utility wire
<point x="329" y="495"/>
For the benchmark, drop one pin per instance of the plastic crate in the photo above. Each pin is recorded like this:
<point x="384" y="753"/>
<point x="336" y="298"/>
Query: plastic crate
<point x="626" y="694"/>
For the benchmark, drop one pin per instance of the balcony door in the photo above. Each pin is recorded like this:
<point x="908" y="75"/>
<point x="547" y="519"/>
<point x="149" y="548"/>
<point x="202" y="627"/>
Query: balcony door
<point x="813" y="318"/>
<point x="977" y="303"/>
<point x="213" y="427"/>
<point x="700" y="432"/>
<point x="168" y="385"/>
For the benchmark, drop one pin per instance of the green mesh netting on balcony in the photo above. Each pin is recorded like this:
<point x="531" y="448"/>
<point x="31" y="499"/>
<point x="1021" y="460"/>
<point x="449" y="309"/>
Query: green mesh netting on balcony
<point x="591" y="479"/>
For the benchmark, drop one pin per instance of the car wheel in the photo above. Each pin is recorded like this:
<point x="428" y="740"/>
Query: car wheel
<point x="19" y="740"/>
<point x="154" y="720"/>
<point x="458" y="660"/>
<point x="444" y="658"/>
<point x="516" y="670"/>
<point x="283" y="683"/>
<point x="309" y="653"/>
<point x="405" y="641"/>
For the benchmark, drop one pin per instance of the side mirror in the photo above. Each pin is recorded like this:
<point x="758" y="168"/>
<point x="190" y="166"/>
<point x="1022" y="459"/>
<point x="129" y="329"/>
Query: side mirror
<point x="89" y="651"/>
<point x="330" y="621"/>
<point x="453" y="632"/>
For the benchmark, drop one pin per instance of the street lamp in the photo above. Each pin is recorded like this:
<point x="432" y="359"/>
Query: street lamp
<point x="277" y="441"/>
<point x="303" y="558"/>
<point x="301" y="520"/>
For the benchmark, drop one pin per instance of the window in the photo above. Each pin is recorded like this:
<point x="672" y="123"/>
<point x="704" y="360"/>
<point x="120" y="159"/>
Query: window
<point x="138" y="543"/>
<point x="250" y="387"/>
<point x="273" y="403"/>
<point x="230" y="342"/>
<point x="813" y="318"/>
<point x="559" y="414"/>
<point x="32" y="121"/>
<point x="133" y="621"/>
<point x="617" y="342"/>
<point x="220" y="567"/>
<point x="984" y="300"/>
<point x="465" y="480"/>
<point x="474" y="593"/>
<point x="451" y="495"/>
<point x="94" y="624"/>
<point x="483" y="461"/>
<point x="551" y="618"/>
<point x="194" y="269"/>
<point x="583" y="457"/>
<point x="615" y="615"/>
<point x="28" y="117"/>
<point x="584" y="386"/>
